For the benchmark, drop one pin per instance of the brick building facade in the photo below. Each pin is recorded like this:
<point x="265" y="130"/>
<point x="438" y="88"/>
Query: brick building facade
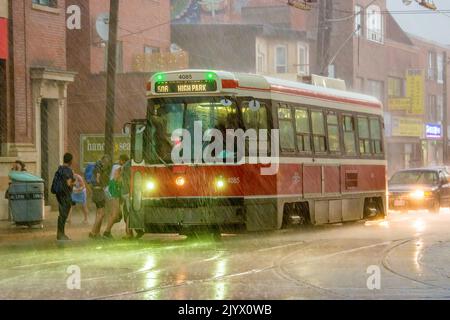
<point x="33" y="121"/>
<point x="144" y="29"/>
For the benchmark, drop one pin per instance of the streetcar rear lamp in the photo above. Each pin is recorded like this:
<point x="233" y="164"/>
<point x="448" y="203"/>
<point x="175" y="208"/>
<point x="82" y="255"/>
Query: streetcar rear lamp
<point x="149" y="86"/>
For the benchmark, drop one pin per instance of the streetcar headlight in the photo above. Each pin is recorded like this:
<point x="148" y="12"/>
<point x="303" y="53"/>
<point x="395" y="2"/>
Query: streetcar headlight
<point x="150" y="185"/>
<point x="417" y="195"/>
<point x="220" y="183"/>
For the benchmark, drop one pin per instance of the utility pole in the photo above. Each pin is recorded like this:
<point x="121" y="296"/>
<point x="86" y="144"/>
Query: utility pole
<point x="111" y="78"/>
<point x="324" y="35"/>
<point x="445" y="115"/>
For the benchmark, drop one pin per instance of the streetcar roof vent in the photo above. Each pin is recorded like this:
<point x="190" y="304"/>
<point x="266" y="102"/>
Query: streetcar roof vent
<point x="330" y="83"/>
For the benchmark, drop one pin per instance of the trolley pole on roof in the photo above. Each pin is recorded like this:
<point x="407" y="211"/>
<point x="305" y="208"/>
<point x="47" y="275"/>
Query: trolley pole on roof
<point x="111" y="78"/>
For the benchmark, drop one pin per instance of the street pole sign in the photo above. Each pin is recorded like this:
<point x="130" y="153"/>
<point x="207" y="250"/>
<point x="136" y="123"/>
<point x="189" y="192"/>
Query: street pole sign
<point x="92" y="148"/>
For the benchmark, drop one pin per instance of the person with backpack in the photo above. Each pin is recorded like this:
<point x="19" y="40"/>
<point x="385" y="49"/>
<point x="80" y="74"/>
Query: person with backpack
<point x="62" y="186"/>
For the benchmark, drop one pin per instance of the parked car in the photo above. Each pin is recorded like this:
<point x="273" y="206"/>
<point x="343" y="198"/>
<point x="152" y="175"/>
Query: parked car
<point x="416" y="189"/>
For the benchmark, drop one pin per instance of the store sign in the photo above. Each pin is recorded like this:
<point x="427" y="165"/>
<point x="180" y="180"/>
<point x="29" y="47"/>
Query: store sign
<point x="186" y="86"/>
<point x="407" y="127"/>
<point x="399" y="104"/>
<point x="93" y="148"/>
<point x="433" y="131"/>
<point x="415" y="90"/>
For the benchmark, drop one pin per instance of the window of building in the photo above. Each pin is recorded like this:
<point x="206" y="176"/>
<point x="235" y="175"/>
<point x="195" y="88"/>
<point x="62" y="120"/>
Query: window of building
<point x="364" y="135"/>
<point x="431" y="74"/>
<point x="358" y="20"/>
<point x="440" y="68"/>
<point x="334" y="140"/>
<point x="396" y="87"/>
<point x="349" y="135"/>
<point x="319" y="134"/>
<point x="260" y="59"/>
<point x="281" y="59"/>
<point x="151" y="50"/>
<point x="376" y="88"/>
<point x="287" y="135"/>
<point x="303" y="130"/>
<point x="359" y="84"/>
<point x="432" y="113"/>
<point x="119" y="58"/>
<point x="332" y="71"/>
<point x="303" y="59"/>
<point x="375" y="30"/>
<point x="376" y="136"/>
<point x="47" y="3"/>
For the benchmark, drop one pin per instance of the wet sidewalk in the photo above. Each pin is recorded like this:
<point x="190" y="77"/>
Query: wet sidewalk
<point x="11" y="234"/>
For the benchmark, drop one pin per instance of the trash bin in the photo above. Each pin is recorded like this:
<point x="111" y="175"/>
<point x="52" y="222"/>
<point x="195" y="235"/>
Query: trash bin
<point x="26" y="199"/>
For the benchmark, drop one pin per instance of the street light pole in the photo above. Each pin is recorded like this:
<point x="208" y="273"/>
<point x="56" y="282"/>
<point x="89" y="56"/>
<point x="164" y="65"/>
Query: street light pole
<point x="324" y="35"/>
<point x="111" y="78"/>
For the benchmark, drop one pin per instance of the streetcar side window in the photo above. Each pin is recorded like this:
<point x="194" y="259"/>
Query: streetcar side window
<point x="318" y="128"/>
<point x="334" y="140"/>
<point x="349" y="135"/>
<point x="303" y="130"/>
<point x="286" y="125"/>
<point x="364" y="135"/>
<point x="255" y="118"/>
<point x="376" y="136"/>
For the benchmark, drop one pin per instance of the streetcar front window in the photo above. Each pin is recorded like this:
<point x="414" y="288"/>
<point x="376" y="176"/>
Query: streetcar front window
<point x="169" y="115"/>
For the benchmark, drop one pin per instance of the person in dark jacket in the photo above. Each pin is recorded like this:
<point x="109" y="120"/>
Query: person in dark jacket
<point x="64" y="195"/>
<point x="101" y="174"/>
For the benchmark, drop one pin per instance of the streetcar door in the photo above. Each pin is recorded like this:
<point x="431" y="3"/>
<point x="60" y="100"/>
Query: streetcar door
<point x="138" y="132"/>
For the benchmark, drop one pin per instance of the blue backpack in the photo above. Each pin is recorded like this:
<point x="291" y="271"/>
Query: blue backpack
<point x="89" y="174"/>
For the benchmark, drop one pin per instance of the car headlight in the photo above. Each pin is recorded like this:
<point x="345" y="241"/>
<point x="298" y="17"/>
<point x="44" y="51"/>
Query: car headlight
<point x="417" y="195"/>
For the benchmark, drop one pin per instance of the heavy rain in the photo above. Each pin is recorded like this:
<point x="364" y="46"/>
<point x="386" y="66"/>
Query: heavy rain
<point x="224" y="150"/>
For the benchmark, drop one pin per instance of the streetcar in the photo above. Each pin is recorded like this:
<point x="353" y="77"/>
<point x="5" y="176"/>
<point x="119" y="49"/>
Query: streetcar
<point x="317" y="157"/>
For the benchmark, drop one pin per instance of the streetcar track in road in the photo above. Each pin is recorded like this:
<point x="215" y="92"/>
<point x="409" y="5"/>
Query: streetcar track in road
<point x="386" y="266"/>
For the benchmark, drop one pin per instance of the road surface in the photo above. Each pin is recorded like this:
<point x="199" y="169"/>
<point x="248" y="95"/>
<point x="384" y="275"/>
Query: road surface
<point x="406" y="256"/>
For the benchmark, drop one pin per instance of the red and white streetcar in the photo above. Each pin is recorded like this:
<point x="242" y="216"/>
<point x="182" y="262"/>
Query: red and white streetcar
<point x="331" y="164"/>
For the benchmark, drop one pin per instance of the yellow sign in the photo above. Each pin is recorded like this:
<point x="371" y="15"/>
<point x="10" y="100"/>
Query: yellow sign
<point x="4" y="9"/>
<point x="400" y="104"/>
<point x="407" y="127"/>
<point x="164" y="61"/>
<point x="415" y="83"/>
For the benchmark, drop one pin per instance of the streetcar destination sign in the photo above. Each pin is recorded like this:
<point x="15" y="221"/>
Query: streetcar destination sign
<point x="186" y="86"/>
